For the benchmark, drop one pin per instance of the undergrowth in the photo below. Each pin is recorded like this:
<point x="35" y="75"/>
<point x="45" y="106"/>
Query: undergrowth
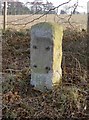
<point x="22" y="101"/>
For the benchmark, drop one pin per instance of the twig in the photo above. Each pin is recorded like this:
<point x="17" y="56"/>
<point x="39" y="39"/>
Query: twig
<point x="75" y="6"/>
<point x="43" y="14"/>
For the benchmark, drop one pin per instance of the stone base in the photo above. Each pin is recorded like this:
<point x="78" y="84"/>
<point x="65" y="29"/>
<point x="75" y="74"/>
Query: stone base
<point x="44" y="82"/>
<point x="41" y="81"/>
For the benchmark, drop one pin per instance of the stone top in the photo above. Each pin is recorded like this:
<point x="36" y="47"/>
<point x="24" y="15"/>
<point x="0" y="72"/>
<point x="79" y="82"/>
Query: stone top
<point x="45" y="30"/>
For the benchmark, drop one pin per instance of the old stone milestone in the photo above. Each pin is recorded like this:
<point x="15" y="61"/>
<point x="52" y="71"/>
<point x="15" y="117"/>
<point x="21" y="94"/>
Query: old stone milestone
<point x="46" y="55"/>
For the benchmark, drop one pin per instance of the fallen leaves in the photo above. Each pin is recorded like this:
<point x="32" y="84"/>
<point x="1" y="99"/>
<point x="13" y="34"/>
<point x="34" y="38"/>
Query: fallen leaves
<point x="21" y="100"/>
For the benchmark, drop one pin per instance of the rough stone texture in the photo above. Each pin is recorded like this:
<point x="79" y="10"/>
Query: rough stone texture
<point x="46" y="55"/>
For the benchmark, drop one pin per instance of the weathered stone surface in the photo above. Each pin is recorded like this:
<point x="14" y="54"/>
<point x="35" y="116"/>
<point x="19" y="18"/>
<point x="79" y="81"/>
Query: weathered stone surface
<point x="46" y="55"/>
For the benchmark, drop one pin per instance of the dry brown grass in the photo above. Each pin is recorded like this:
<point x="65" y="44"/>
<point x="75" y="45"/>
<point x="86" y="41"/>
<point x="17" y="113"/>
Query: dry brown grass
<point x="78" y="21"/>
<point x="21" y="100"/>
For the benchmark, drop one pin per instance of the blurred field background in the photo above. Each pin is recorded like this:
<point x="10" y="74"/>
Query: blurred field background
<point x="26" y="21"/>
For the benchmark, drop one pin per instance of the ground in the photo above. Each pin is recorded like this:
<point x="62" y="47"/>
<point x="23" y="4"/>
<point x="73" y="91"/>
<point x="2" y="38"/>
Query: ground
<point x="21" y="100"/>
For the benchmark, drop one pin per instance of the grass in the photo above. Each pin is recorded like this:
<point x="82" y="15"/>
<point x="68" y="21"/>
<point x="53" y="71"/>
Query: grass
<point x="78" y="21"/>
<point x="22" y="101"/>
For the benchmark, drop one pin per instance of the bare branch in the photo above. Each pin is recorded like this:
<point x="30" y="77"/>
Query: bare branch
<point x="24" y="17"/>
<point x="75" y="6"/>
<point x="44" y="14"/>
